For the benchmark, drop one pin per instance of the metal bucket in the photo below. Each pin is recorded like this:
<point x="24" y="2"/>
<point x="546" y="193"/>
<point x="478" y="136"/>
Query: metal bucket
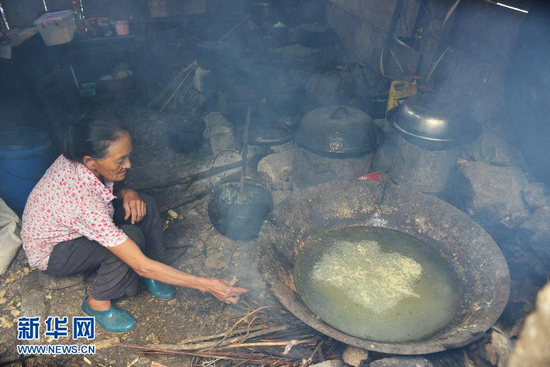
<point x="431" y="128"/>
<point x="472" y="254"/>
<point x="422" y="169"/>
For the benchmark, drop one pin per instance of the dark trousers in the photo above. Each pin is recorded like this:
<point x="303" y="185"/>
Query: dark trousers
<point x="114" y="278"/>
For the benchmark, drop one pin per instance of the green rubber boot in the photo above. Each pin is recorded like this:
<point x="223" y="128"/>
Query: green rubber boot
<point x="114" y="319"/>
<point x="158" y="289"/>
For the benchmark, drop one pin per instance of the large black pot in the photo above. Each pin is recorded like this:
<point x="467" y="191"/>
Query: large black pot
<point x="339" y="132"/>
<point x="471" y="253"/>
<point x="184" y="133"/>
<point x="239" y="221"/>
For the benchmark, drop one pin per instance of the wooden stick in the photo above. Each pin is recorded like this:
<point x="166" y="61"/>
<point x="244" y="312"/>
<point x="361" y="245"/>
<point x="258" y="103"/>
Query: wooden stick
<point x="185" y="200"/>
<point x="194" y="177"/>
<point x="245" y="155"/>
<point x="165" y="88"/>
<point x="185" y="92"/>
<point x="185" y="353"/>
<point x="270" y="344"/>
<point x="176" y="91"/>
<point x="307" y="362"/>
<point x="244" y="362"/>
<point x="233" y="29"/>
<point x="254" y="358"/>
<point x="246" y="316"/>
<point x="210" y="345"/>
<point x="220" y="335"/>
<point x="397" y="62"/>
<point x="171" y="84"/>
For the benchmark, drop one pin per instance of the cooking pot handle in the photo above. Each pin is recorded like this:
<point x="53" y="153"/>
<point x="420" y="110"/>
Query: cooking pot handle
<point x="339" y="113"/>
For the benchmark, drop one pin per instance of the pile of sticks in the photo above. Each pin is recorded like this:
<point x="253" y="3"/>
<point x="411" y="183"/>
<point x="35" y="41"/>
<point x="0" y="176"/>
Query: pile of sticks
<point x="179" y="93"/>
<point x="245" y="343"/>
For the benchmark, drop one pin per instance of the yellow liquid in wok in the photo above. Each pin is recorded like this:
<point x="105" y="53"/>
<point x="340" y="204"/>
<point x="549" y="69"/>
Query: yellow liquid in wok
<point x="377" y="284"/>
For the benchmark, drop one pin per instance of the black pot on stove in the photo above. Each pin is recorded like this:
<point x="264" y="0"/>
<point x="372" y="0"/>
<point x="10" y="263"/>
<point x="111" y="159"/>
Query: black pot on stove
<point x="239" y="218"/>
<point x="339" y="132"/>
<point x="184" y="133"/>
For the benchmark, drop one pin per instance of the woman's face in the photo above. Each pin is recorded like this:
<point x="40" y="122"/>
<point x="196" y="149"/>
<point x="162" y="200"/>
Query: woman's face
<point x="116" y="163"/>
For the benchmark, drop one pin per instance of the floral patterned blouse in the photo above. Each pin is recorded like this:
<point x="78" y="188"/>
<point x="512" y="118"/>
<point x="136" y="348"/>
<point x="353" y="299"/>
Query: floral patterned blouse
<point x="67" y="203"/>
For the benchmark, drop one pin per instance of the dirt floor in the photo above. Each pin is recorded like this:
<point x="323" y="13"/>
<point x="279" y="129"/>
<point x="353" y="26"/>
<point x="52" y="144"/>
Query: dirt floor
<point x="194" y="246"/>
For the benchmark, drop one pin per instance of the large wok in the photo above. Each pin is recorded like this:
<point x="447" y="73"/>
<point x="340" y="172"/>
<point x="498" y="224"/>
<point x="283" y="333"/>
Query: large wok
<point x="472" y="253"/>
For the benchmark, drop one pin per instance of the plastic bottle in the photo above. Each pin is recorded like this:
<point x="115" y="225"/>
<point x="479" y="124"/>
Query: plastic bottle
<point x="79" y="20"/>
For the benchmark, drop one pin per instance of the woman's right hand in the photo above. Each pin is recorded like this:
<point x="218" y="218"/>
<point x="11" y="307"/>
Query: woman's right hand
<point x="224" y="290"/>
<point x="131" y="254"/>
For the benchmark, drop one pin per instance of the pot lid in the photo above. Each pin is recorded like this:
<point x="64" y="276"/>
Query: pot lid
<point x="338" y="131"/>
<point x="436" y="118"/>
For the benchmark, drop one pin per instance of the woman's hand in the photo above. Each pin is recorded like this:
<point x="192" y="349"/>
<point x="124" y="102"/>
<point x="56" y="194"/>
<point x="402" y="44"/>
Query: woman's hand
<point x="134" y="207"/>
<point x="224" y="290"/>
<point x="132" y="255"/>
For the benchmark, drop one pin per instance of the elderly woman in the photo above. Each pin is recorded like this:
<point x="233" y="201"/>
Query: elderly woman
<point x="76" y="219"/>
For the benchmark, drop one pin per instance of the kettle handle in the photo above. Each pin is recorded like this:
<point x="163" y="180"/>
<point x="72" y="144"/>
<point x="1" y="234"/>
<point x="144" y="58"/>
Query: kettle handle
<point x="339" y="113"/>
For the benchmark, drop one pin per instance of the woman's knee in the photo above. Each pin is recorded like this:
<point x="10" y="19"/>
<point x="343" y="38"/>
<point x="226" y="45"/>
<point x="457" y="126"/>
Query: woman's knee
<point x="150" y="202"/>
<point x="114" y="279"/>
<point x="135" y="233"/>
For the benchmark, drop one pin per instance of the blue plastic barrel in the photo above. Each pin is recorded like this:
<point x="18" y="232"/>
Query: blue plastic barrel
<point x="24" y="157"/>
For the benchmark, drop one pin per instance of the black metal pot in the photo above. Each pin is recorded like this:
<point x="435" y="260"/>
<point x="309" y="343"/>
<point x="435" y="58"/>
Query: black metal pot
<point x="472" y="254"/>
<point x="184" y="133"/>
<point x="339" y="132"/>
<point x="434" y="121"/>
<point x="239" y="221"/>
